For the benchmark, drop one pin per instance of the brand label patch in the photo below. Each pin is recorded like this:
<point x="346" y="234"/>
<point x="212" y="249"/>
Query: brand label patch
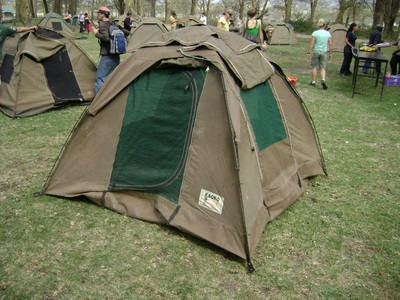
<point x="211" y="201"/>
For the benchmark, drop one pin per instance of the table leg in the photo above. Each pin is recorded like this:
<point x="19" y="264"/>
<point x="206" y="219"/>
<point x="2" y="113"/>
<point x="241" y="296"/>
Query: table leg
<point x="383" y="80"/>
<point x="355" y="72"/>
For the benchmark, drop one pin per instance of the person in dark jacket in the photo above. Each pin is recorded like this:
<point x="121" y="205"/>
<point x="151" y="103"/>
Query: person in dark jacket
<point x="108" y="62"/>
<point x="395" y="59"/>
<point x="128" y="25"/>
<point x="350" y="41"/>
<point x="374" y="39"/>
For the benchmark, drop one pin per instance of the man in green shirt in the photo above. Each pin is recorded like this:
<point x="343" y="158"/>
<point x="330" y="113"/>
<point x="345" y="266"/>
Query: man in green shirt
<point x="6" y="31"/>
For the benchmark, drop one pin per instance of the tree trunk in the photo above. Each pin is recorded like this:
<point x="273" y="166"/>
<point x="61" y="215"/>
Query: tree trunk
<point x="193" y="7"/>
<point x="33" y="11"/>
<point x="391" y="15"/>
<point x="23" y="11"/>
<point x="313" y="7"/>
<point x="57" y="7"/>
<point x="241" y="10"/>
<point x="1" y="11"/>
<point x="343" y="6"/>
<point x="378" y="12"/>
<point x="288" y="10"/>
<point x="153" y="8"/>
<point x="73" y="7"/>
<point x="46" y="7"/>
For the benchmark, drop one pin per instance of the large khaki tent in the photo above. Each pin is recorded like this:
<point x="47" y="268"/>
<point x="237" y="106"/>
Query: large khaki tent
<point x="42" y="70"/>
<point x="338" y="36"/>
<point x="283" y="35"/>
<point x="199" y="132"/>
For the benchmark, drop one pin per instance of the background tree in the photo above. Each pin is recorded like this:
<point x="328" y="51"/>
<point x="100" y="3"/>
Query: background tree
<point x="57" y="7"/>
<point x="152" y="8"/>
<point x="23" y="11"/>
<point x="391" y="12"/>
<point x="193" y="7"/>
<point x="313" y="8"/>
<point x="288" y="10"/>
<point x="139" y="7"/>
<point x="379" y="10"/>
<point x="72" y="7"/>
<point x="343" y="6"/>
<point x="45" y="7"/>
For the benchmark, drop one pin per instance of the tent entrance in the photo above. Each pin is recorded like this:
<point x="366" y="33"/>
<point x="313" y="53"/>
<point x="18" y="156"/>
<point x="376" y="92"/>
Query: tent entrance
<point x="156" y="131"/>
<point x="61" y="78"/>
<point x="7" y="68"/>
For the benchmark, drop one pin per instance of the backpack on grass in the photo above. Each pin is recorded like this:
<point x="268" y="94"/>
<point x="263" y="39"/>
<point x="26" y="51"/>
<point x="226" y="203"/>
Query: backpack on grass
<point x="117" y="40"/>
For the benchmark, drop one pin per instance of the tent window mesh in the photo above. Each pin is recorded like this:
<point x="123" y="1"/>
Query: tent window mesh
<point x="7" y="68"/>
<point x="61" y="78"/>
<point x="156" y="131"/>
<point x="265" y="116"/>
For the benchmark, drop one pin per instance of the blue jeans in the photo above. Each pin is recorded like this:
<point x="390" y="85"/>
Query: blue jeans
<point x="107" y="64"/>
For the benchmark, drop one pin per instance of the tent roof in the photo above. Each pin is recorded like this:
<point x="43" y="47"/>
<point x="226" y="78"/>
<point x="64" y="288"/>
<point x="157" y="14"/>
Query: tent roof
<point x="55" y="22"/>
<point x="244" y="59"/>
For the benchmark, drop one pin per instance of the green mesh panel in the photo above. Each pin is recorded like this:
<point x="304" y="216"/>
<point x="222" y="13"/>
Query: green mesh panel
<point x="156" y="131"/>
<point x="265" y="116"/>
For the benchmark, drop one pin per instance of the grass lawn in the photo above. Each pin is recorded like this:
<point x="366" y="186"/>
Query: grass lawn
<point x="340" y="240"/>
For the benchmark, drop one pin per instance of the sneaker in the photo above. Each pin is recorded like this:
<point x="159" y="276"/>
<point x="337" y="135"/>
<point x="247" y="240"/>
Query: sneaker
<point x="312" y="83"/>
<point x="324" y="86"/>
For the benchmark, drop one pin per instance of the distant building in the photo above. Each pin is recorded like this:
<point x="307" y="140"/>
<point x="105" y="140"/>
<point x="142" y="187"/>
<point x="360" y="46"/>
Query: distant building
<point x="8" y="14"/>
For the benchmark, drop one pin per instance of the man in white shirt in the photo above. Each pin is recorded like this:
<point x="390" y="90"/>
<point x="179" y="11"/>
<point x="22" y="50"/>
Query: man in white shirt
<point x="203" y="18"/>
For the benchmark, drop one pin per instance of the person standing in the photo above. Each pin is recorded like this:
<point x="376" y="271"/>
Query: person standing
<point x="374" y="39"/>
<point x="320" y="40"/>
<point x="253" y="29"/>
<point x="108" y="62"/>
<point x="395" y="59"/>
<point x="350" y="41"/>
<point x="173" y="20"/>
<point x="67" y="18"/>
<point x="225" y="20"/>
<point x="128" y="22"/>
<point x="88" y="23"/>
<point x="81" y="20"/>
<point x="203" y="18"/>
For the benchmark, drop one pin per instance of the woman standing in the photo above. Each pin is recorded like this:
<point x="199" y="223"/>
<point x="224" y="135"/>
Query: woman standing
<point x="253" y="29"/>
<point x="88" y="24"/>
<point x="225" y="20"/>
<point x="347" y="51"/>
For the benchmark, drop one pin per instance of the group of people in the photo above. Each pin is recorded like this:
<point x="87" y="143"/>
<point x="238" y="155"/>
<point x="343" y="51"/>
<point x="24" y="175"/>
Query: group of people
<point x="321" y="44"/>
<point x="320" y="48"/>
<point x="85" y="23"/>
<point x="375" y="38"/>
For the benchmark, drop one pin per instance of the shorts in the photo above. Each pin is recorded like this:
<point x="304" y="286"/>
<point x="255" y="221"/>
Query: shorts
<point x="319" y="59"/>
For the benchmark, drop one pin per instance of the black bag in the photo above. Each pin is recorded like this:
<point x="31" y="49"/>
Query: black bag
<point x="252" y="38"/>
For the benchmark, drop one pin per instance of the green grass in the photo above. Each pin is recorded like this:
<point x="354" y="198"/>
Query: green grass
<point x="340" y="240"/>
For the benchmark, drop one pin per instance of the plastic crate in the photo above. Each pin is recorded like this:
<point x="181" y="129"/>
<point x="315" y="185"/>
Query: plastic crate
<point x="393" y="80"/>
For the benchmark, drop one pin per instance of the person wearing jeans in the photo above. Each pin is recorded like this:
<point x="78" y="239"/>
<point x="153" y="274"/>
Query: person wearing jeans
<point x="108" y="62"/>
<point x="374" y="39"/>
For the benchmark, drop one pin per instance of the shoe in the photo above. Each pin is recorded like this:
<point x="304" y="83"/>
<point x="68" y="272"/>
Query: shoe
<point x="349" y="74"/>
<point x="312" y="83"/>
<point x="324" y="86"/>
